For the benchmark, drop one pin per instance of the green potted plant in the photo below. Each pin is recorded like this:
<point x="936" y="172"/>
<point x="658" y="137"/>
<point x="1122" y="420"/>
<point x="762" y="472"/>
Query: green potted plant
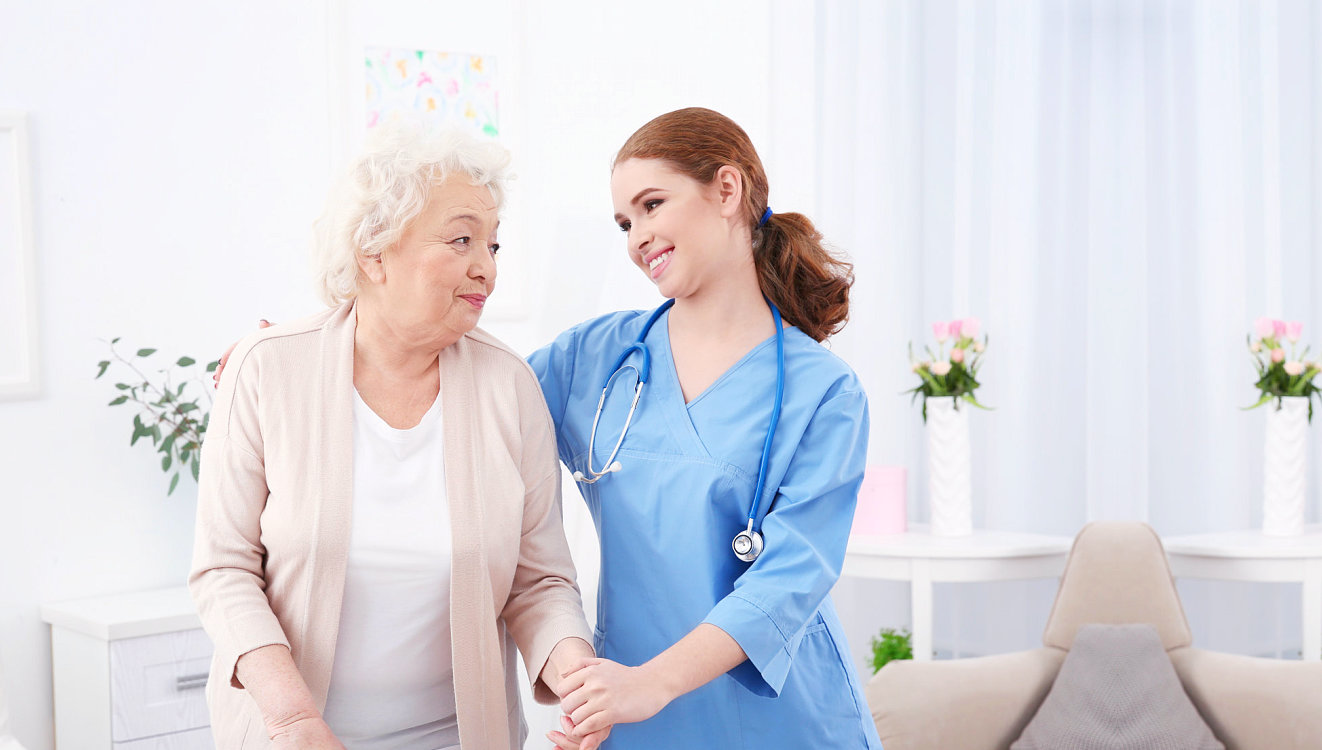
<point x="890" y="645"/>
<point x="167" y="412"/>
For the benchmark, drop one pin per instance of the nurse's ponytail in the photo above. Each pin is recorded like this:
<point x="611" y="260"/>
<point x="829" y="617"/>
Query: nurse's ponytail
<point x="794" y="269"/>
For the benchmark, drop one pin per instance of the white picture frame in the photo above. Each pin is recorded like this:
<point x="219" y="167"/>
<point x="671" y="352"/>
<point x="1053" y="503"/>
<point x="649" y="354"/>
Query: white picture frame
<point x="19" y="361"/>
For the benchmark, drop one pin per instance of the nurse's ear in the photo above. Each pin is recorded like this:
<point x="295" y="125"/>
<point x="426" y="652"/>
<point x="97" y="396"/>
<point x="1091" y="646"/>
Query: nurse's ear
<point x="729" y="185"/>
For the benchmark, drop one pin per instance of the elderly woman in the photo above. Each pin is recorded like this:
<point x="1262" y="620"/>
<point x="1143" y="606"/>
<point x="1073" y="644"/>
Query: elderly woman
<point x="378" y="522"/>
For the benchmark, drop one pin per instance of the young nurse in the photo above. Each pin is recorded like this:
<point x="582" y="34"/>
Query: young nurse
<point x="705" y="638"/>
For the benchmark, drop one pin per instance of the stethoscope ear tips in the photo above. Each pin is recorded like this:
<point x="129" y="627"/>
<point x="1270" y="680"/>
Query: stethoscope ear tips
<point x="614" y="467"/>
<point x="578" y="476"/>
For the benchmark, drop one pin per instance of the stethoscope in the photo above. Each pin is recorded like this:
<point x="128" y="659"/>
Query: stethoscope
<point x="747" y="544"/>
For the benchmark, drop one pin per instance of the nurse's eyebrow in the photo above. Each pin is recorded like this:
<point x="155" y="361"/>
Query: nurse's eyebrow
<point x="635" y="200"/>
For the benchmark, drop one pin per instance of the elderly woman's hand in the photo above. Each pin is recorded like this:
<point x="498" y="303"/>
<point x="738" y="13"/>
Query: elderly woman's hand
<point x="310" y="733"/>
<point x="564" y="740"/>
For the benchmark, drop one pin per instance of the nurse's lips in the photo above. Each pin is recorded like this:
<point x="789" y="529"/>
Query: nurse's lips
<point x="476" y="300"/>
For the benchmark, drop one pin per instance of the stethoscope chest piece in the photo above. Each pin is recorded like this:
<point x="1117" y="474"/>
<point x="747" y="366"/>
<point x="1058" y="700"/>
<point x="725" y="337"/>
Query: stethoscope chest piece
<point x="747" y="544"/>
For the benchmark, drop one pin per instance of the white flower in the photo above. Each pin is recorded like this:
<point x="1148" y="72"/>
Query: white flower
<point x="1255" y="347"/>
<point x="1293" y="368"/>
<point x="941" y="368"/>
<point x="978" y="346"/>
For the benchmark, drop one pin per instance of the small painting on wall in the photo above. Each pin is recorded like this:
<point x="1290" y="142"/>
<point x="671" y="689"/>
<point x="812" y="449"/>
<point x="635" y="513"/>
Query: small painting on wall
<point x="439" y="87"/>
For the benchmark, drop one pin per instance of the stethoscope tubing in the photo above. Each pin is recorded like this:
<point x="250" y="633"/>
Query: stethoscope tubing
<point x="612" y="465"/>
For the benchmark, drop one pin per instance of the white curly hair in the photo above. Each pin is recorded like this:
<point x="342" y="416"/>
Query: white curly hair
<point x="386" y="187"/>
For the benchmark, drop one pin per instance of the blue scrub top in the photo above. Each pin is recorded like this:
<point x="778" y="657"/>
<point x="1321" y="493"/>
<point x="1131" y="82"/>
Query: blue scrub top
<point x="666" y="521"/>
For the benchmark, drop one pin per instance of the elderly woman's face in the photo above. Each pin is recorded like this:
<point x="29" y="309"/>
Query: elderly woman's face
<point x="436" y="280"/>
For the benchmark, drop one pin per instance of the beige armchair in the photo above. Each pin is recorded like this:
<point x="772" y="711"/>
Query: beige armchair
<point x="1116" y="574"/>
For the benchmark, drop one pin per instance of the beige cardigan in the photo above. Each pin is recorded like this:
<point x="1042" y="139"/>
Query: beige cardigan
<point x="273" y="522"/>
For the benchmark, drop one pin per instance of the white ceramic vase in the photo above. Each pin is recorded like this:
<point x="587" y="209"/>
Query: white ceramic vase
<point x="1285" y="467"/>
<point x="949" y="475"/>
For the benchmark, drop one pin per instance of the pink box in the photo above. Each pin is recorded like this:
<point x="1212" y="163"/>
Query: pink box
<point x="882" y="501"/>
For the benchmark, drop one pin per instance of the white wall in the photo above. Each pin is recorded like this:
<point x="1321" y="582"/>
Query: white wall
<point x="180" y="153"/>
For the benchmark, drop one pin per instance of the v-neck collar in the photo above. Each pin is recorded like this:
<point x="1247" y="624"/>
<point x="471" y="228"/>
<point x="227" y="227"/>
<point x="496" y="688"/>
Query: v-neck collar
<point x="673" y="369"/>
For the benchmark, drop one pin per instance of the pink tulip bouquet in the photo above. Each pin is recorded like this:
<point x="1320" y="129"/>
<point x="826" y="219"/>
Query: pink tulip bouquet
<point x="954" y="373"/>
<point x="1281" y="374"/>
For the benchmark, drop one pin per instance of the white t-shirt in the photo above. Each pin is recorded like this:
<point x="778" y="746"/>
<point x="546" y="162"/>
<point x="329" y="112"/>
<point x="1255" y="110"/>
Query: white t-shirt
<point x="392" y="683"/>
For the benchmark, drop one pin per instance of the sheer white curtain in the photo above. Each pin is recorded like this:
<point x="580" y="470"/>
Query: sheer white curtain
<point x="1117" y="188"/>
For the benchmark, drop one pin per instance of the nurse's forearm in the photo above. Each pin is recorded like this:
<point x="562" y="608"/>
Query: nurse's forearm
<point x="706" y="653"/>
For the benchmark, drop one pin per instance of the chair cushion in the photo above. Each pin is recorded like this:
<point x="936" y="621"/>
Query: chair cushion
<point x="1117" y="690"/>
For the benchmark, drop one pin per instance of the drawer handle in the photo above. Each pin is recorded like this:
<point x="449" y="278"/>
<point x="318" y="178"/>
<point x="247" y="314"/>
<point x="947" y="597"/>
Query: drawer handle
<point x="190" y="681"/>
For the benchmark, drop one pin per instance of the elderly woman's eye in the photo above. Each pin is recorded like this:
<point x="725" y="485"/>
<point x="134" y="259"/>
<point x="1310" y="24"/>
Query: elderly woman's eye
<point x="494" y="248"/>
<point x="462" y="240"/>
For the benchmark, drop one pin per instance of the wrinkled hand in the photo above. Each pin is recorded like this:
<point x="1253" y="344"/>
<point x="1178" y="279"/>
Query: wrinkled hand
<point x="563" y="740"/>
<point x="225" y="358"/>
<point x="310" y="733"/>
<point x="602" y="693"/>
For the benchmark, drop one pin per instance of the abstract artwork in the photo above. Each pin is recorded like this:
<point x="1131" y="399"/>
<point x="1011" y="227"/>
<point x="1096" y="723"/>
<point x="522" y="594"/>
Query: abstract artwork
<point x="439" y="87"/>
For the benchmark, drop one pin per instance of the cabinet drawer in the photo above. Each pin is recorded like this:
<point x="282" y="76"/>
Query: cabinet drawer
<point x="194" y="739"/>
<point x="157" y="685"/>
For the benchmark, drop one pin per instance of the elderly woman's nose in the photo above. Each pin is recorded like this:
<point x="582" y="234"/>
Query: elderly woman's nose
<point x="483" y="266"/>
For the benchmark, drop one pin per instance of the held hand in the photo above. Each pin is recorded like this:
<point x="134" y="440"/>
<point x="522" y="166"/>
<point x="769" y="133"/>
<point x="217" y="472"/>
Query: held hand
<point x="602" y="693"/>
<point x="225" y="358"/>
<point x="564" y="740"/>
<point x="310" y="733"/>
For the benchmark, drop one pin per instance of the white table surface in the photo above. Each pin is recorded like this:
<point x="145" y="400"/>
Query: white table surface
<point x="1253" y="556"/>
<point x="923" y="559"/>
<point x="129" y="615"/>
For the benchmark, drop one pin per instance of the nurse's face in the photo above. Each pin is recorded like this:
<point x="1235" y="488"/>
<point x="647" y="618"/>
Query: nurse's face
<point x="681" y="234"/>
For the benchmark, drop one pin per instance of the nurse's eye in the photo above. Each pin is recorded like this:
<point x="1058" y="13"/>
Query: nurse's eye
<point x="625" y="226"/>
<point x="649" y="205"/>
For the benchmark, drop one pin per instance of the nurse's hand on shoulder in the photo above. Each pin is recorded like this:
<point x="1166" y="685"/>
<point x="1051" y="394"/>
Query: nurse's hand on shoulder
<point x="309" y="733"/>
<point x="602" y="693"/>
<point x="225" y="358"/>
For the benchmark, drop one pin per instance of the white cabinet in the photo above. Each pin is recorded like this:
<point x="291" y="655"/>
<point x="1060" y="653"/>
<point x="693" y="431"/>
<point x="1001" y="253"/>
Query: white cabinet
<point x="129" y="672"/>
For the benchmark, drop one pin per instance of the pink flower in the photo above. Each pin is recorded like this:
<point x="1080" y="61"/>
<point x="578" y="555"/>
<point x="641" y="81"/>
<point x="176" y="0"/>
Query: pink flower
<point x="971" y="327"/>
<point x="956" y="355"/>
<point x="1294" y="368"/>
<point x="1293" y="330"/>
<point x="1278" y="328"/>
<point x="941" y="368"/>
<point x="955" y="326"/>
<point x="1263" y="327"/>
<point x="1278" y="355"/>
<point x="941" y="330"/>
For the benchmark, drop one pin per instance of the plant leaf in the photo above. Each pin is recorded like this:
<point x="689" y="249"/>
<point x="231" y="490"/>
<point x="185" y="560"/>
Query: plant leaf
<point x="146" y="352"/>
<point x="1265" y="398"/>
<point x="118" y="401"/>
<point x="173" y="483"/>
<point x="103" y="364"/>
<point x="166" y="460"/>
<point x="211" y="366"/>
<point x="186" y="361"/>
<point x="195" y="465"/>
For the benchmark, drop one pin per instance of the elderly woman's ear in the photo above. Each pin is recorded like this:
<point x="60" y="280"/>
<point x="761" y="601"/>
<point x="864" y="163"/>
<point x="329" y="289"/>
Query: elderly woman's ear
<point x="371" y="268"/>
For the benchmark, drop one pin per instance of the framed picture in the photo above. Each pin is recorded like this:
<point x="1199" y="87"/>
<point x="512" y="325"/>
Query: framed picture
<point x="18" y="288"/>
<point x="443" y="65"/>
